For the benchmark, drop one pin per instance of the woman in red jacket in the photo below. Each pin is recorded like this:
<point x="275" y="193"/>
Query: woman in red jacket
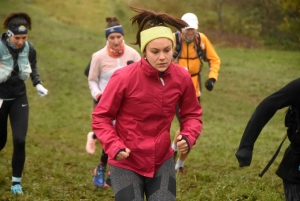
<point x="142" y="98"/>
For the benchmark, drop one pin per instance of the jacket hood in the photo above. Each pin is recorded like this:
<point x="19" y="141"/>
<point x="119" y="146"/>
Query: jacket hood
<point x="4" y="37"/>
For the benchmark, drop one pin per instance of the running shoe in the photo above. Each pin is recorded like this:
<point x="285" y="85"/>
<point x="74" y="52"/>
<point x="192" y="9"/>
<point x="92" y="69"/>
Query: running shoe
<point x="16" y="189"/>
<point x="99" y="176"/>
<point x="180" y="170"/>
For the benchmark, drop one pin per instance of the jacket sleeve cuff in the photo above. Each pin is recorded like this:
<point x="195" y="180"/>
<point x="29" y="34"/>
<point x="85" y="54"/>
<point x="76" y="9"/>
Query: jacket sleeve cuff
<point x="118" y="153"/>
<point x="244" y="157"/>
<point x="187" y="142"/>
<point x="36" y="83"/>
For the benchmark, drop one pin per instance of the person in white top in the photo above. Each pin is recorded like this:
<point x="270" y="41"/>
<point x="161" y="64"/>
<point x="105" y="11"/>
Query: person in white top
<point x="115" y="55"/>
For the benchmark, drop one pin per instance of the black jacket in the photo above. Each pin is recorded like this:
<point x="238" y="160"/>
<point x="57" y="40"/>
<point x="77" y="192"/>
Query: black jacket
<point x="15" y="87"/>
<point x="289" y="169"/>
<point x="87" y="69"/>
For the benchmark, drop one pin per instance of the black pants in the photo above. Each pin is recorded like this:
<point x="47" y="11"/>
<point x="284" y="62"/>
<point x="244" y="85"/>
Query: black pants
<point x="291" y="191"/>
<point x="104" y="156"/>
<point x="17" y="110"/>
<point x="130" y="186"/>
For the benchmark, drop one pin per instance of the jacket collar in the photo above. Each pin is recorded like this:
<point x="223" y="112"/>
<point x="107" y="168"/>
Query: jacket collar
<point x="150" y="71"/>
<point x="4" y="39"/>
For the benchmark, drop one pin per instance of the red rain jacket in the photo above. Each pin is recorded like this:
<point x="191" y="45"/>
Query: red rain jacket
<point x="142" y="100"/>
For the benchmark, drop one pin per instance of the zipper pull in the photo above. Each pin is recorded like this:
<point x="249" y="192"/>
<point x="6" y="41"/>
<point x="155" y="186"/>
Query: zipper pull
<point x="162" y="81"/>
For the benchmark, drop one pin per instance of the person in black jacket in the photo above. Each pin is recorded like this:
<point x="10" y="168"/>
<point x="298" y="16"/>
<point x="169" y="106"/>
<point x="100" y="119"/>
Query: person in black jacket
<point x="289" y="168"/>
<point x="17" y="63"/>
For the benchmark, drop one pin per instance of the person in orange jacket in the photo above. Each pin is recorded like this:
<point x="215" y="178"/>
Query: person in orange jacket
<point x="192" y="48"/>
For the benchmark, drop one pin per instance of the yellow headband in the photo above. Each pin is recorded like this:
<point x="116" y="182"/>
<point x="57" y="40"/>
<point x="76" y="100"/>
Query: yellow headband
<point x="154" y="33"/>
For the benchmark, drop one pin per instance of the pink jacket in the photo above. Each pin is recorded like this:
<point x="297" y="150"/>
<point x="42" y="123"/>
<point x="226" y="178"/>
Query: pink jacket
<point x="143" y="103"/>
<point x="103" y="66"/>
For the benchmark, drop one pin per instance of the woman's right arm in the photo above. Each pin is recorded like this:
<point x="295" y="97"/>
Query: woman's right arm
<point x="106" y="112"/>
<point x="94" y="76"/>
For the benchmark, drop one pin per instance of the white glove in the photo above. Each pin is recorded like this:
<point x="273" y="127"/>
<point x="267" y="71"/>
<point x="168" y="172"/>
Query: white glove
<point x="42" y="91"/>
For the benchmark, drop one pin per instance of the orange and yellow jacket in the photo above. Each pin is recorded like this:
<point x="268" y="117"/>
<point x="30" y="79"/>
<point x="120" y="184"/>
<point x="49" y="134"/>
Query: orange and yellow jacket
<point x="188" y="59"/>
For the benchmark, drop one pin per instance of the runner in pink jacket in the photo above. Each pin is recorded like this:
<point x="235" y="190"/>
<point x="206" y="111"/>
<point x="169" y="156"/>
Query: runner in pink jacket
<point x="114" y="55"/>
<point x="142" y="99"/>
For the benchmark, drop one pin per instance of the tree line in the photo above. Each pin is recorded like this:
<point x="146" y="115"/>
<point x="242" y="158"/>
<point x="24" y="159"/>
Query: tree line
<point x="274" y="23"/>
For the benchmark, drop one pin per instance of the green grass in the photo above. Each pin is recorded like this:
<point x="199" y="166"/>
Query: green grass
<point x="65" y="34"/>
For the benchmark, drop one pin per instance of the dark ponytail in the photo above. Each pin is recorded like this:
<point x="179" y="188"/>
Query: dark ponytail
<point x="146" y="19"/>
<point x="111" y="22"/>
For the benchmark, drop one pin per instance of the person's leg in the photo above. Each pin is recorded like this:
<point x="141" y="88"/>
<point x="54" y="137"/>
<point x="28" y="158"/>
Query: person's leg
<point x="103" y="163"/>
<point x="182" y="157"/>
<point x="90" y="146"/>
<point x="3" y="123"/>
<point x="174" y="143"/>
<point x="291" y="191"/>
<point x="127" y="185"/>
<point x="180" y="161"/>
<point x="99" y="176"/>
<point x="103" y="158"/>
<point x="163" y="185"/>
<point x="18" y="114"/>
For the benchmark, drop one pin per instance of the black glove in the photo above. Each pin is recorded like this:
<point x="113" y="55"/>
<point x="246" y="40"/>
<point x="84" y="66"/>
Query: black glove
<point x="244" y="157"/>
<point x="209" y="84"/>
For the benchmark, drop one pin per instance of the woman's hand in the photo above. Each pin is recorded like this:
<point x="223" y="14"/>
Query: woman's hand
<point x="123" y="154"/>
<point x="182" y="145"/>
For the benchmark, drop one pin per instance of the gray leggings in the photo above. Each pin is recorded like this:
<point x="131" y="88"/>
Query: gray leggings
<point x="130" y="186"/>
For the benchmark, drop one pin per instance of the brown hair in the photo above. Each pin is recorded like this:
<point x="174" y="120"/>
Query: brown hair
<point x="17" y="19"/>
<point x="146" y="19"/>
<point x="111" y="22"/>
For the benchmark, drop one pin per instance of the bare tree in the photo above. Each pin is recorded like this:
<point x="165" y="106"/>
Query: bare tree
<point x="220" y="13"/>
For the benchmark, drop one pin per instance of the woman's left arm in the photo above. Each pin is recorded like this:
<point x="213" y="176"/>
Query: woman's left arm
<point x="190" y="113"/>
<point x="35" y="77"/>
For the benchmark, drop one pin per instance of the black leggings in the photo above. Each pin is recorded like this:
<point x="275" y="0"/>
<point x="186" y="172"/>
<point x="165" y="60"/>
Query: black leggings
<point x="291" y="191"/>
<point x="104" y="156"/>
<point x="130" y="186"/>
<point x="18" y="111"/>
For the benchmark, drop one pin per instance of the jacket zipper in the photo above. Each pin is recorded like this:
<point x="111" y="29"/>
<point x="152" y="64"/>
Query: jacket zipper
<point x="187" y="56"/>
<point x="161" y="79"/>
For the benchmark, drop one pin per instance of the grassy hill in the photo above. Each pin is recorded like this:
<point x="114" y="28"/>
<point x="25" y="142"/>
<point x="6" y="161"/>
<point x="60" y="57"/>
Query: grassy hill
<point x="65" y="34"/>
